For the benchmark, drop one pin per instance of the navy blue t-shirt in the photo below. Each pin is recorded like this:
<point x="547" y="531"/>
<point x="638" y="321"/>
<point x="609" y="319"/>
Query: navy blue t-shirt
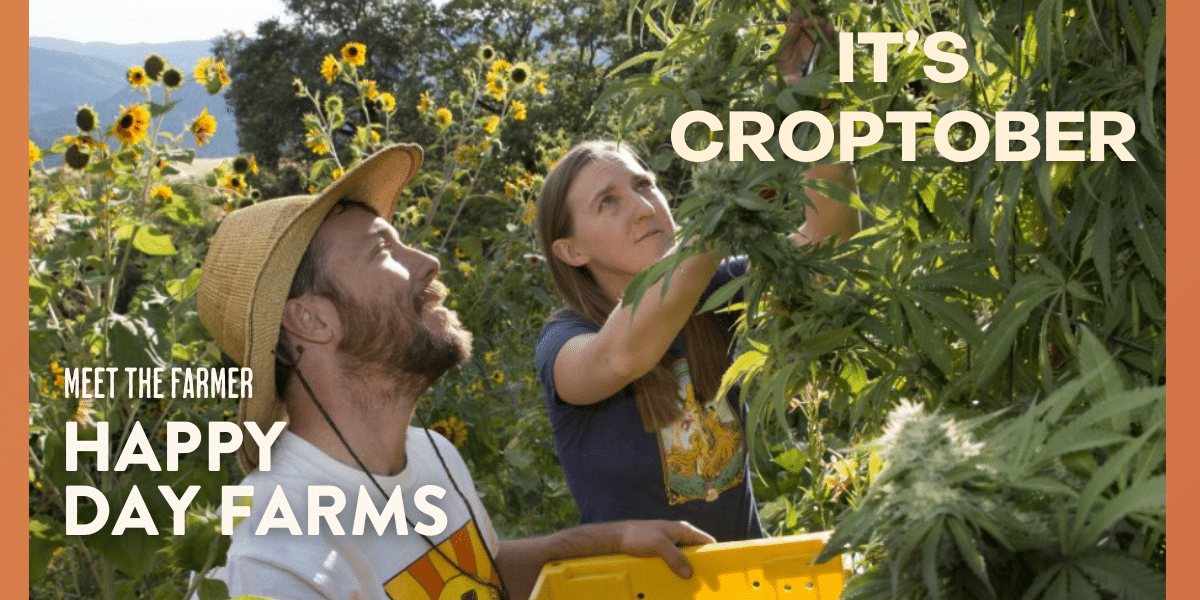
<point x="695" y="469"/>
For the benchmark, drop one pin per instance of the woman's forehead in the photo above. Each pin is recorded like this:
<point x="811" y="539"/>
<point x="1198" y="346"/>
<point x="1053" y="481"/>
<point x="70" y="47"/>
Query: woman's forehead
<point x="604" y="170"/>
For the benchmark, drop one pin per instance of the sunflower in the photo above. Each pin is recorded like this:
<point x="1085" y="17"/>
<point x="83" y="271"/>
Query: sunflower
<point x="35" y="153"/>
<point x="541" y="88"/>
<point x="131" y="125"/>
<point x="75" y="156"/>
<point x="316" y="142"/>
<point x="162" y="193"/>
<point x="241" y="165"/>
<point x="253" y="165"/>
<point x="137" y="77"/>
<point x="211" y="74"/>
<point x="492" y="122"/>
<point x="518" y="108"/>
<point x="355" y="54"/>
<point x="369" y="89"/>
<point x="154" y="66"/>
<point x="487" y="53"/>
<point x="234" y="183"/>
<point x="464" y="153"/>
<point x="203" y="127"/>
<point x="495" y="86"/>
<point x="444" y="117"/>
<point x="330" y="68"/>
<point x="85" y="118"/>
<point x="519" y="73"/>
<point x="501" y="66"/>
<point x="425" y="102"/>
<point x="387" y="101"/>
<point x="337" y="173"/>
<point x="452" y="429"/>
<point x="172" y="78"/>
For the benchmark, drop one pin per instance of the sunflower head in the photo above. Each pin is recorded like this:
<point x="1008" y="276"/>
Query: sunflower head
<point x="203" y="127"/>
<point x="85" y="118"/>
<point x="234" y="182"/>
<point x="354" y="53"/>
<point x="330" y="68"/>
<point x="491" y="124"/>
<point x="454" y="430"/>
<point x="444" y="117"/>
<point x="161" y="193"/>
<point x="333" y="106"/>
<point x="241" y="165"/>
<point x="76" y="158"/>
<point x="154" y="66"/>
<point x="487" y="53"/>
<point x="172" y="78"/>
<point x="35" y="153"/>
<point x="387" y="102"/>
<point x="132" y="123"/>
<point x="137" y="77"/>
<point x="519" y="73"/>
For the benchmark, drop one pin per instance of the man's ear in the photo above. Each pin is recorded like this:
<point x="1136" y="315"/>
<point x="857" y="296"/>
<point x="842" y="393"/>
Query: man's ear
<point x="568" y="252"/>
<point x="311" y="318"/>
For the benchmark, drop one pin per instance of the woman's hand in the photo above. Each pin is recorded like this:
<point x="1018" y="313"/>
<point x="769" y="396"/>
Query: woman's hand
<point x="799" y="42"/>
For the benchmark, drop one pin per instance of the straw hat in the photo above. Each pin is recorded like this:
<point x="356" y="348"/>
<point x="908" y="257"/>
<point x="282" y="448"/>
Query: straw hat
<point x="253" y="257"/>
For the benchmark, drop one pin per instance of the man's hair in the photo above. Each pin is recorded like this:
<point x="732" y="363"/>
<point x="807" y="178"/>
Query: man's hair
<point x="310" y="278"/>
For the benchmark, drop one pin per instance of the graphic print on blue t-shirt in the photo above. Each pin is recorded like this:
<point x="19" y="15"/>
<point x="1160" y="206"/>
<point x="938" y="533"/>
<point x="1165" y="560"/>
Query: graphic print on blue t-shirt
<point x="702" y="451"/>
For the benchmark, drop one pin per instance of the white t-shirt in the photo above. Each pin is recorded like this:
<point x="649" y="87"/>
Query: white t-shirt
<point x="278" y="563"/>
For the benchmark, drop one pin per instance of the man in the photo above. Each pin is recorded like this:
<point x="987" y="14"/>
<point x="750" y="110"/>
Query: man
<point x="344" y="329"/>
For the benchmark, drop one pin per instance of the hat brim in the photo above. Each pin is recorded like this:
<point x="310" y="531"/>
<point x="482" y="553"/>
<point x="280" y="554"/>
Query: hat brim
<point x="258" y="249"/>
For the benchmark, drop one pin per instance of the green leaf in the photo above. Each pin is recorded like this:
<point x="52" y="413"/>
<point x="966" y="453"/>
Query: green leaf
<point x="157" y="109"/>
<point x="133" y="343"/>
<point x="1123" y="576"/>
<point x="794" y="460"/>
<point x="45" y="536"/>
<point x="723" y="295"/>
<point x="969" y="551"/>
<point x="929" y="559"/>
<point x="1029" y="292"/>
<point x="182" y="289"/>
<point x="1143" y="496"/>
<point x="928" y="337"/>
<point x="149" y="240"/>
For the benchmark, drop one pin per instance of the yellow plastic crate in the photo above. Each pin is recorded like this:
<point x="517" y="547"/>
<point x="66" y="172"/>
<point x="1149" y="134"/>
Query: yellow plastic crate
<point x="774" y="568"/>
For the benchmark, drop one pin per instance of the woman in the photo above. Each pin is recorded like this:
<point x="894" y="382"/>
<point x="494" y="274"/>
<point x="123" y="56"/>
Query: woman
<point x="631" y="393"/>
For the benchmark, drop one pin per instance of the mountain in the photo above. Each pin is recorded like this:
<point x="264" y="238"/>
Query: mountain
<point x="69" y="74"/>
<point x="182" y="54"/>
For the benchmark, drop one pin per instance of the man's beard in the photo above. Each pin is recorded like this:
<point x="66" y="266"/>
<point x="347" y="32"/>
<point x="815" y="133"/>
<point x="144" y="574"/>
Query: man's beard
<point x="389" y="341"/>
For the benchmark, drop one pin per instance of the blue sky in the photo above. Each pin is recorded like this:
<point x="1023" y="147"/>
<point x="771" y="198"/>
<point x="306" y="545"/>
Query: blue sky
<point x="134" y="21"/>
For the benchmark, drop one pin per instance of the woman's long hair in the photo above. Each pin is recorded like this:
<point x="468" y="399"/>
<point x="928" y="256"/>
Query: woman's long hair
<point x="707" y="346"/>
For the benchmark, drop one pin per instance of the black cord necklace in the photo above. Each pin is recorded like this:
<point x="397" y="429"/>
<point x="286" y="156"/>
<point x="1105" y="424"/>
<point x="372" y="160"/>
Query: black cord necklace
<point x="500" y="592"/>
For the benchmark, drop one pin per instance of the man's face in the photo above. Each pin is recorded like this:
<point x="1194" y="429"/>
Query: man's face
<point x="389" y="301"/>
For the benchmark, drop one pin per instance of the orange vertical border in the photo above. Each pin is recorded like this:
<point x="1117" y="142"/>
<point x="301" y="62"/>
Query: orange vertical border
<point x="14" y="306"/>
<point x="1182" y="288"/>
